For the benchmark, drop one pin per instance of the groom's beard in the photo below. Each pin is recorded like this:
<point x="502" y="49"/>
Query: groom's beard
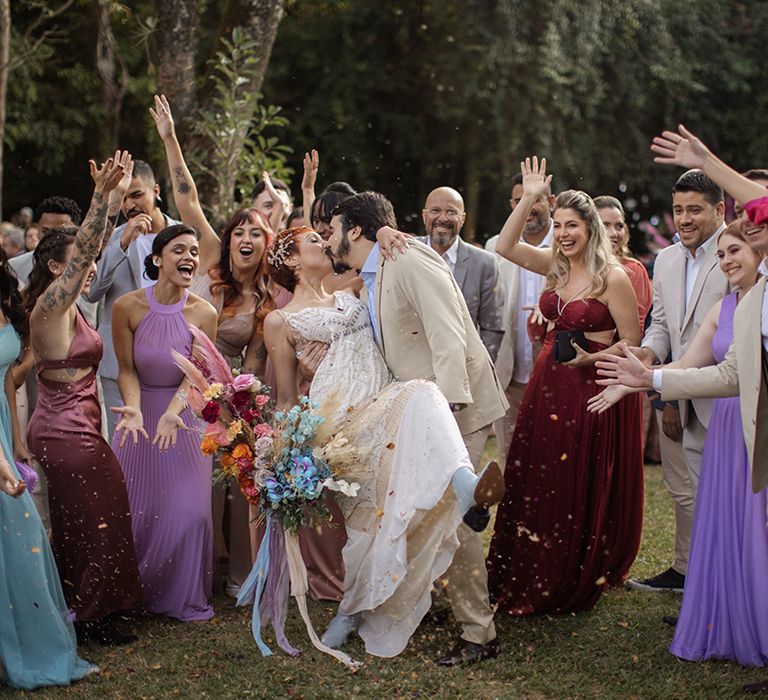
<point x="342" y="251"/>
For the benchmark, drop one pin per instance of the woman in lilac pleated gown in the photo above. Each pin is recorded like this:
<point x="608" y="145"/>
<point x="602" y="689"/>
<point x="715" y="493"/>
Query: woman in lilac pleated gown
<point x="168" y="479"/>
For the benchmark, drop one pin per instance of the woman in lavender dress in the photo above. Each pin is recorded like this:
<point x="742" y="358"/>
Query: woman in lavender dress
<point x="725" y="611"/>
<point x="169" y="479"/>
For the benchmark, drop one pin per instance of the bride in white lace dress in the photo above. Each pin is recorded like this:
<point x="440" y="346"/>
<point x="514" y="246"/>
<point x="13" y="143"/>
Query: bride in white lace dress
<point x="418" y="480"/>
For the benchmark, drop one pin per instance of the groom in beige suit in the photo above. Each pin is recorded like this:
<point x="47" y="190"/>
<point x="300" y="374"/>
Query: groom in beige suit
<point x="424" y="330"/>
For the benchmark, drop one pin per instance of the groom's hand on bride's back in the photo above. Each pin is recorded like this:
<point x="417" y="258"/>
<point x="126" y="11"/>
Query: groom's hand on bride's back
<point x="310" y="357"/>
<point x="391" y="242"/>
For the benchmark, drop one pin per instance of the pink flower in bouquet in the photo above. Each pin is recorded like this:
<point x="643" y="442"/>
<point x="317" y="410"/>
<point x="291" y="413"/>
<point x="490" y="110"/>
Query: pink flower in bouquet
<point x="262" y="400"/>
<point x="245" y="465"/>
<point x="243" y="382"/>
<point x="251" y="415"/>
<point x="241" y="400"/>
<point x="218" y="432"/>
<point x="211" y="412"/>
<point x="262" y="430"/>
<point x="263" y="444"/>
<point x="251" y="492"/>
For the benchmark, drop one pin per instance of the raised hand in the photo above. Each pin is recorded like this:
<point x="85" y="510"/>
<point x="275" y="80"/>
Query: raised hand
<point x="9" y="484"/>
<point x="167" y="429"/>
<point x="118" y="194"/>
<point x="682" y="149"/>
<point x="131" y="423"/>
<point x="163" y="117"/>
<point x="607" y="398"/>
<point x="536" y="182"/>
<point x="311" y="166"/>
<point x="628" y="370"/>
<point x="107" y="176"/>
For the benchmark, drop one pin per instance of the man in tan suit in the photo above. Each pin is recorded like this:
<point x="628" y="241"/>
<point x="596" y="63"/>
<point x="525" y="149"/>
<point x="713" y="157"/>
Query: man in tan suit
<point x="686" y="284"/>
<point x="424" y="330"/>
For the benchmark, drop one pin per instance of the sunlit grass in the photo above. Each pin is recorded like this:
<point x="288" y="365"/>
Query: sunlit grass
<point x="618" y="650"/>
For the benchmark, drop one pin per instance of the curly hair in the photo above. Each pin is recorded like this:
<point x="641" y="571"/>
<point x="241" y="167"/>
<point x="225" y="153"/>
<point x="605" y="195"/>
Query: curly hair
<point x="281" y="248"/>
<point x="53" y="246"/>
<point x="223" y="278"/>
<point x="10" y="297"/>
<point x="598" y="257"/>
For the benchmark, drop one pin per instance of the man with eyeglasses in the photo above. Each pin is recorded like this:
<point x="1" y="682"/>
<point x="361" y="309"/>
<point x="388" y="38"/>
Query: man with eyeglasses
<point x="475" y="271"/>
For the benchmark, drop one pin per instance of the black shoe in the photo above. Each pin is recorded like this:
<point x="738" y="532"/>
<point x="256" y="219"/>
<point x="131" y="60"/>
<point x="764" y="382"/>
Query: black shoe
<point x="669" y="580"/>
<point x="468" y="653"/>
<point x="477" y="518"/>
<point x="761" y="687"/>
<point x="670" y="620"/>
<point x="436" y="616"/>
<point x="103" y="632"/>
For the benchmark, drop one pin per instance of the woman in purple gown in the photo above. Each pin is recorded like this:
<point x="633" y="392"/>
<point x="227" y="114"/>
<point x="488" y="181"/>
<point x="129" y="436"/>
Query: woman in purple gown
<point x="169" y="479"/>
<point x="725" y="610"/>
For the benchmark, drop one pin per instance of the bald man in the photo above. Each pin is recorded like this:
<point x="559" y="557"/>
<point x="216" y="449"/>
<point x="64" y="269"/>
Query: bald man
<point x="475" y="270"/>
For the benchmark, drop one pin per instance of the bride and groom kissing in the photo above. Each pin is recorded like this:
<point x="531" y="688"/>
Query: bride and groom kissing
<point x="415" y="385"/>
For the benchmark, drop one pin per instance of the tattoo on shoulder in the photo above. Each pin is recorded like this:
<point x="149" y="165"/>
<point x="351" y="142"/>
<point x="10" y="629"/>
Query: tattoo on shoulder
<point x="261" y="352"/>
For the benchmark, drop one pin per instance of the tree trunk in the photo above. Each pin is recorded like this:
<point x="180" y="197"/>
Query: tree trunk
<point x="112" y="94"/>
<point x="5" y="55"/>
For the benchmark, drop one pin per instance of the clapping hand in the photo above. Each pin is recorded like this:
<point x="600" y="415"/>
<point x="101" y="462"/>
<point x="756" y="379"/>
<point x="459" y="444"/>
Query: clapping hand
<point x="682" y="149"/>
<point x="131" y="423"/>
<point x="107" y="176"/>
<point x="9" y="484"/>
<point x="167" y="430"/>
<point x="163" y="117"/>
<point x="607" y="398"/>
<point x="311" y="166"/>
<point x="536" y="182"/>
<point x="627" y="370"/>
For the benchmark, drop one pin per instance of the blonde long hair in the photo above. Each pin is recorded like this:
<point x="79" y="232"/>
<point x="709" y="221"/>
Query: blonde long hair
<point x="598" y="257"/>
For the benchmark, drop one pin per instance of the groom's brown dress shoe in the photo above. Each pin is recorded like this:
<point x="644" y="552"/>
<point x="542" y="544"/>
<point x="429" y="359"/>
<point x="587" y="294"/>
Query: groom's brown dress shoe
<point x="468" y="653"/>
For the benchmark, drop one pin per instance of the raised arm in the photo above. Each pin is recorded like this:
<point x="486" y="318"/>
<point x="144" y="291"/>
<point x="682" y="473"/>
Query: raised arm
<point x="311" y="166"/>
<point x="686" y="150"/>
<point x="283" y="356"/>
<point x="536" y="182"/>
<point x="65" y="289"/>
<point x="184" y="189"/>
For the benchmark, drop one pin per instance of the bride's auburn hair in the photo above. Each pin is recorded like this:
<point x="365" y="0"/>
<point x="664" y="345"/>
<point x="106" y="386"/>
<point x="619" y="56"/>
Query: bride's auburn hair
<point x="282" y="247"/>
<point x="598" y="256"/>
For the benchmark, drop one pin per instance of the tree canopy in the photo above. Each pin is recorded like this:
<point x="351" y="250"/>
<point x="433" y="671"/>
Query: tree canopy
<point x="404" y="96"/>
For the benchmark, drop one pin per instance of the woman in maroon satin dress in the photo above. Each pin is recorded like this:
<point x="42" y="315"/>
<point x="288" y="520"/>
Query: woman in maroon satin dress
<point x="548" y="552"/>
<point x="628" y="486"/>
<point x="90" y="517"/>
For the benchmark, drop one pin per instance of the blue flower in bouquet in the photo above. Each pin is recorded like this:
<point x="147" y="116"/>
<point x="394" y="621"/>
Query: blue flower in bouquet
<point x="306" y="477"/>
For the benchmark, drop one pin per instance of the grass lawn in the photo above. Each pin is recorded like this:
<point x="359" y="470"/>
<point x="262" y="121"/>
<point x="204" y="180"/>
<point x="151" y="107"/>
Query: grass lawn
<point x="618" y="650"/>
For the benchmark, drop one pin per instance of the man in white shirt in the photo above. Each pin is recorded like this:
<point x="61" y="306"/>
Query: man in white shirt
<point x="514" y="362"/>
<point x="475" y="271"/>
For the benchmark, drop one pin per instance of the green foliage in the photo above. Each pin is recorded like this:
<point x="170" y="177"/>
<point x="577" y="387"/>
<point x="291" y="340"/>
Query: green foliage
<point x="235" y="130"/>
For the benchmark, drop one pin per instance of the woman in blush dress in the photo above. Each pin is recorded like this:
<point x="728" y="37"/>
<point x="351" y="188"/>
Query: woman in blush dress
<point x="169" y="479"/>
<point x="548" y="548"/>
<point x="232" y="277"/>
<point x="623" y="535"/>
<point x="90" y="516"/>
<point x="38" y="646"/>
<point x="724" y="613"/>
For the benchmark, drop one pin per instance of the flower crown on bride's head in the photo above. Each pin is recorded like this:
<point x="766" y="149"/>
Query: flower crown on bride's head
<point x="280" y="249"/>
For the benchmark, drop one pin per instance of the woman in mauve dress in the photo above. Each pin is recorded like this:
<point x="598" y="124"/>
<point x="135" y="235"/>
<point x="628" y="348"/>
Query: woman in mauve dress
<point x="232" y="276"/>
<point x="90" y="515"/>
<point x="168" y="479"/>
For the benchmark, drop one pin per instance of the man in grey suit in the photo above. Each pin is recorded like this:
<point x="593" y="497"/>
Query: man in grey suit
<point x="121" y="267"/>
<point x="475" y="270"/>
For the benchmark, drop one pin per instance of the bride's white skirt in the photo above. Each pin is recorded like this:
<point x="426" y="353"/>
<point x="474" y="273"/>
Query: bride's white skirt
<point x="401" y="528"/>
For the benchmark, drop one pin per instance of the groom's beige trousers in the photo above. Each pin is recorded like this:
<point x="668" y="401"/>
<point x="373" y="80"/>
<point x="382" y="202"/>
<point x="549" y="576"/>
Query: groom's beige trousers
<point x="467" y="578"/>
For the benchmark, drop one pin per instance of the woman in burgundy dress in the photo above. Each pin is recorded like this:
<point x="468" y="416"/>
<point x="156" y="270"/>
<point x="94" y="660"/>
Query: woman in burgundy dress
<point x="624" y="534"/>
<point x="548" y="552"/>
<point x="90" y="517"/>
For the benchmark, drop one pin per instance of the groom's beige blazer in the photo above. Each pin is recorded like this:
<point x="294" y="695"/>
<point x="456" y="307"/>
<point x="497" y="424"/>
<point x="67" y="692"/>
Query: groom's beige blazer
<point x="426" y="332"/>
<point x="673" y="326"/>
<point x="739" y="374"/>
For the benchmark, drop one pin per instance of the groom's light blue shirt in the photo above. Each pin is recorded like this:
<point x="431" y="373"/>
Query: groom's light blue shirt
<point x="368" y="274"/>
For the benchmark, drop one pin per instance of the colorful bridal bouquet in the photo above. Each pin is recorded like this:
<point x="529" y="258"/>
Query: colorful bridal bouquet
<point x="283" y="462"/>
<point x="276" y="457"/>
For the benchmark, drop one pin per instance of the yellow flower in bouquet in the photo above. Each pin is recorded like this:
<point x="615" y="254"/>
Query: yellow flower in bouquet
<point x="213" y="391"/>
<point x="234" y="430"/>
